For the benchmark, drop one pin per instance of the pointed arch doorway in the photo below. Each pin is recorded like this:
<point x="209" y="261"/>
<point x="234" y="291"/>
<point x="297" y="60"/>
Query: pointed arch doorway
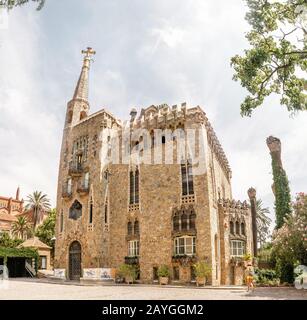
<point x="75" y="261"/>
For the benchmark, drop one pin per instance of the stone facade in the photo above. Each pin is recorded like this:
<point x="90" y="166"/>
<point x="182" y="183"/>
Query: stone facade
<point x="165" y="200"/>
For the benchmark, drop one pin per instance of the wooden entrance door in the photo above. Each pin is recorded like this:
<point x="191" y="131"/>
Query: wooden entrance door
<point x="75" y="261"/>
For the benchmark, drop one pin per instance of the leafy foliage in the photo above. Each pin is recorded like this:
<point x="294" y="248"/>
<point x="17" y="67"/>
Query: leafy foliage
<point x="202" y="269"/>
<point x="290" y="241"/>
<point x="21" y="227"/>
<point x="277" y="57"/>
<point x="10" y="4"/>
<point x="46" y="231"/>
<point x="39" y="204"/>
<point x="282" y="194"/>
<point x="263" y="222"/>
<point x="163" y="271"/>
<point x="7" y="242"/>
<point x="127" y="271"/>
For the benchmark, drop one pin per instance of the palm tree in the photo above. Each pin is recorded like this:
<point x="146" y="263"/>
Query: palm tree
<point x="21" y="227"/>
<point x="263" y="222"/>
<point x="38" y="203"/>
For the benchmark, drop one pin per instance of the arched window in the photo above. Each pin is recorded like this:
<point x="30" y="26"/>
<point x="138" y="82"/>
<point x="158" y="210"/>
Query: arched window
<point x="176" y="222"/>
<point x="184" y="221"/>
<point x="82" y="115"/>
<point x="129" y="228"/>
<point x="192" y="220"/>
<point x="237" y="227"/>
<point x="243" y="228"/>
<point x="75" y="211"/>
<point x="231" y="225"/>
<point x="136" y="228"/>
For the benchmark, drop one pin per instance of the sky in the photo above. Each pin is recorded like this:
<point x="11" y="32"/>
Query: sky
<point x="147" y="52"/>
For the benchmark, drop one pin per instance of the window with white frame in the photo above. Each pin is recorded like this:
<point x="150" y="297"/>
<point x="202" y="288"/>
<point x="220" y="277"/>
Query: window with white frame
<point x="133" y="248"/>
<point x="185" y="245"/>
<point x="237" y="248"/>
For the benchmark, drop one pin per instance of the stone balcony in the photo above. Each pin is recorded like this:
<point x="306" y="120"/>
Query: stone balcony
<point x="83" y="188"/>
<point x="75" y="169"/>
<point x="66" y="192"/>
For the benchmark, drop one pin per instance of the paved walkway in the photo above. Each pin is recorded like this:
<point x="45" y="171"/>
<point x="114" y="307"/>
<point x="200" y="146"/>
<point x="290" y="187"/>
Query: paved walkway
<point x="29" y="290"/>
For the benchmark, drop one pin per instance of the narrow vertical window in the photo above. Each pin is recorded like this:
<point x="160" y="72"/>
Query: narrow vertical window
<point x="184" y="180"/>
<point x="237" y="227"/>
<point x="231" y="225"/>
<point x="136" y="228"/>
<point x="61" y="221"/>
<point x="91" y="212"/>
<point x="184" y="221"/>
<point x="136" y="186"/>
<point x="190" y="178"/>
<point x="187" y="179"/>
<point x="129" y="228"/>
<point x="131" y="187"/>
<point x="106" y="212"/>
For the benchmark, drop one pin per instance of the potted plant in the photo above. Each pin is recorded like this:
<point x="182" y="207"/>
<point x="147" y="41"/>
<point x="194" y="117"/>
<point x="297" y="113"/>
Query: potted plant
<point x="202" y="272"/>
<point x="163" y="274"/>
<point x="128" y="272"/>
<point x="247" y="259"/>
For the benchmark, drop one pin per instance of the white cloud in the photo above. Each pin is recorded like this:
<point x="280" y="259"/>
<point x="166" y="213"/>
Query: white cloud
<point x="148" y="52"/>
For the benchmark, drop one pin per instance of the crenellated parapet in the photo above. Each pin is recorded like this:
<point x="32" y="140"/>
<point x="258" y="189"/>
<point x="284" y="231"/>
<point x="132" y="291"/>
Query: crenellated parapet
<point x="179" y="117"/>
<point x="234" y="210"/>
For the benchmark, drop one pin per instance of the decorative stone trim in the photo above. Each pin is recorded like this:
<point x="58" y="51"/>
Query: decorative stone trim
<point x="90" y="227"/>
<point x="188" y="199"/>
<point x="134" y="206"/>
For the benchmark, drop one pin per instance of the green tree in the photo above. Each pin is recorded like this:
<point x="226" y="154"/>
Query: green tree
<point x="21" y="227"/>
<point x="277" y="58"/>
<point x="290" y="241"/>
<point x="46" y="231"/>
<point x="263" y="222"/>
<point x="8" y="242"/>
<point x="282" y="193"/>
<point x="38" y="203"/>
<point x="10" y="4"/>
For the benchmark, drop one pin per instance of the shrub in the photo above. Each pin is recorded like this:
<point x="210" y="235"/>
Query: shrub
<point x="202" y="269"/>
<point x="127" y="271"/>
<point x="163" y="271"/>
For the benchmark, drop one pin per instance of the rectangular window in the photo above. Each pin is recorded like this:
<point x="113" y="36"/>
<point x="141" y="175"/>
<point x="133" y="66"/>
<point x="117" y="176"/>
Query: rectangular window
<point x="133" y="248"/>
<point x="185" y="245"/>
<point x="237" y="248"/>
<point x="106" y="213"/>
<point x="43" y="262"/>
<point x="187" y="179"/>
<point x="91" y="213"/>
<point x="134" y="187"/>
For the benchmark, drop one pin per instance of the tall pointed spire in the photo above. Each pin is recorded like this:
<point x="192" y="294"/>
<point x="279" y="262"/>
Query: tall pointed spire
<point x="81" y="91"/>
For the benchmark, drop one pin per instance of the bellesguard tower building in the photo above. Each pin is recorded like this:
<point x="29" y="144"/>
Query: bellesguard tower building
<point x="154" y="190"/>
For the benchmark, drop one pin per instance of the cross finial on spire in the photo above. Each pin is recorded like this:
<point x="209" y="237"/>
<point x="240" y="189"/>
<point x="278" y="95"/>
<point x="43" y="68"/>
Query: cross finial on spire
<point x="88" y="52"/>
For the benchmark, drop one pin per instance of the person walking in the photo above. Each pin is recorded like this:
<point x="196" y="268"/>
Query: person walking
<point x="249" y="277"/>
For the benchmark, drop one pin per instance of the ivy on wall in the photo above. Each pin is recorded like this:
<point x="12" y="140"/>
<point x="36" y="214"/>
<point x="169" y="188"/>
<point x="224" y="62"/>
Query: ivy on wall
<point x="282" y="194"/>
<point x="19" y="252"/>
